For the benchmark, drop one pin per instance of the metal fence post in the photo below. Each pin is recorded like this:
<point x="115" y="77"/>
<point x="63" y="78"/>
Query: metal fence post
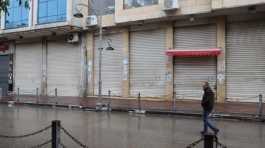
<point x="17" y="94"/>
<point x="174" y="101"/>
<point x="260" y="106"/>
<point x="139" y="102"/>
<point x="37" y="94"/>
<point x="55" y="92"/>
<point x="56" y="127"/>
<point x="109" y="94"/>
<point x="209" y="140"/>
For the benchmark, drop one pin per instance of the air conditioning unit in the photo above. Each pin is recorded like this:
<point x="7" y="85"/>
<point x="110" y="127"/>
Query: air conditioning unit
<point x="73" y="38"/>
<point x="171" y="5"/>
<point x="91" y="20"/>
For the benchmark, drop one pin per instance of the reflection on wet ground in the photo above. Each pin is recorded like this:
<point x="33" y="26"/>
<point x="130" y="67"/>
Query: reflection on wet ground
<point x="121" y="130"/>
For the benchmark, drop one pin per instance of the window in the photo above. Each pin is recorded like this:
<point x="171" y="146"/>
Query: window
<point x="102" y="6"/>
<point x="17" y="15"/>
<point x="138" y="3"/>
<point x="50" y="11"/>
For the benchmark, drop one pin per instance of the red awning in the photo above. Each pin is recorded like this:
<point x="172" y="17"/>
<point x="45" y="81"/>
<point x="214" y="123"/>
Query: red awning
<point x="193" y="52"/>
<point x="3" y="47"/>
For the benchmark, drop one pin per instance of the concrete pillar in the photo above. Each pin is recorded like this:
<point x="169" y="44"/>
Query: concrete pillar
<point x="90" y="60"/>
<point x="84" y="71"/>
<point x="125" y="70"/>
<point x="221" y="59"/>
<point x="44" y="67"/>
<point x="169" y="63"/>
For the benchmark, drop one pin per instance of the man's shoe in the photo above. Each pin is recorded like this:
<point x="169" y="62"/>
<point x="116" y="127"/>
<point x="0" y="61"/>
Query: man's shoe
<point x="203" y="133"/>
<point x="216" y="131"/>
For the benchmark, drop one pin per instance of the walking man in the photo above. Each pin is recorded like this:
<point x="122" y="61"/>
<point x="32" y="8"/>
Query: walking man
<point x="207" y="105"/>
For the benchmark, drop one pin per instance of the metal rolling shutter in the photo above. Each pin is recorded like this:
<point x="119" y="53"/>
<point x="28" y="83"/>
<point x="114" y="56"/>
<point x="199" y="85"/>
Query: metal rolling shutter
<point x="245" y="60"/>
<point x="189" y="73"/>
<point x="147" y="63"/>
<point x="4" y="70"/>
<point x="64" y="68"/>
<point x="28" y="67"/>
<point x="111" y="65"/>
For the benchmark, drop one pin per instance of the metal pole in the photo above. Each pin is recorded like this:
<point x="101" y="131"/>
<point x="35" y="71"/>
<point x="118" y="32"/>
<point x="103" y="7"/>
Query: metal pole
<point x="56" y="126"/>
<point x="260" y="107"/>
<point x="37" y="94"/>
<point x="17" y="94"/>
<point x="56" y="92"/>
<point x="209" y="140"/>
<point x="109" y="93"/>
<point x="174" y="101"/>
<point x="100" y="55"/>
<point x="139" y="102"/>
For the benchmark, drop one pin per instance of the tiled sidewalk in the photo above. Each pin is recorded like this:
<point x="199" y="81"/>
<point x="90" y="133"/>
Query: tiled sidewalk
<point x="185" y="106"/>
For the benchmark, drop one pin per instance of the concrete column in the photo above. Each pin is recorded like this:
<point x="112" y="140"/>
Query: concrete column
<point x="44" y="67"/>
<point x="169" y="63"/>
<point x="90" y="61"/>
<point x="84" y="71"/>
<point x="125" y="70"/>
<point x="221" y="59"/>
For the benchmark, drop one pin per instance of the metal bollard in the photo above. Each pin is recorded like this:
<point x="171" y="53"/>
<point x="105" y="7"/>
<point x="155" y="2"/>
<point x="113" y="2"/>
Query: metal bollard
<point x="37" y="94"/>
<point x="55" y="92"/>
<point x="109" y="103"/>
<point x="209" y="140"/>
<point x="56" y="127"/>
<point x="17" y="94"/>
<point x="260" y="106"/>
<point x="18" y="91"/>
<point x="139" y="102"/>
<point x="174" y="102"/>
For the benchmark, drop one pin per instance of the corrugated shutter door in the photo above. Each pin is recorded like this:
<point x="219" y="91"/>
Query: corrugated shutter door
<point x="64" y="68"/>
<point x="147" y="63"/>
<point x="28" y="67"/>
<point x="111" y="65"/>
<point x="189" y="73"/>
<point x="4" y="70"/>
<point x="245" y="60"/>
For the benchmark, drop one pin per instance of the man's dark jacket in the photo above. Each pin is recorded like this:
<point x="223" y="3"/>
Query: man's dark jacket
<point x="208" y="99"/>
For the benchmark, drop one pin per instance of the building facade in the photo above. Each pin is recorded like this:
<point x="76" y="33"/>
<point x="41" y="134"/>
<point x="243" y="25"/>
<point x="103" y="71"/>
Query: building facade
<point x="164" y="49"/>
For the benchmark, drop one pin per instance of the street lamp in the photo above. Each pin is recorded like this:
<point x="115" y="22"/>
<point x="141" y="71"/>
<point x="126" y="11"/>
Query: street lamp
<point x="99" y="104"/>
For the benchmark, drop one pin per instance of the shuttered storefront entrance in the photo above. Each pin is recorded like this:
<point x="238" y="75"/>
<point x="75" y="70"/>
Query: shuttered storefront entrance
<point x="189" y="73"/>
<point x="111" y="65"/>
<point x="4" y="70"/>
<point x="147" y="63"/>
<point x="245" y="60"/>
<point x="28" y="67"/>
<point x="63" y="68"/>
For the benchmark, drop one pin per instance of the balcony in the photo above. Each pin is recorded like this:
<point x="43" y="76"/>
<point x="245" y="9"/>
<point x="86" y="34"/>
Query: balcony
<point x="41" y="18"/>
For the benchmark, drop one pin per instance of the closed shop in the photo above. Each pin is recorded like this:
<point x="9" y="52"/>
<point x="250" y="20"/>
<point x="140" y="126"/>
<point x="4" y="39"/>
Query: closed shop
<point x="148" y="63"/>
<point x="63" y="68"/>
<point x="190" y="72"/>
<point x="28" y="59"/>
<point x="245" y="60"/>
<point x="111" y="64"/>
<point x="4" y="71"/>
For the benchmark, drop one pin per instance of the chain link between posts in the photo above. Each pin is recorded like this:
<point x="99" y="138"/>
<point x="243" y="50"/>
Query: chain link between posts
<point x="26" y="135"/>
<point x="43" y="144"/>
<point x="73" y="138"/>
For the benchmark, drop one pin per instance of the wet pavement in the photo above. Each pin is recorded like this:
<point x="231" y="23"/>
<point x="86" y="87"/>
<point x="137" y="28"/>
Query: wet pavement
<point x="120" y="130"/>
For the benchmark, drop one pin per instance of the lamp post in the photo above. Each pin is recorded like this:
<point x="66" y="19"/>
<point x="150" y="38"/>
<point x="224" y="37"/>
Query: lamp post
<point x="99" y="104"/>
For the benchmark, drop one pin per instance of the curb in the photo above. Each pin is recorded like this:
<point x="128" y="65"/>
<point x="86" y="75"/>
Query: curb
<point x="241" y="117"/>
